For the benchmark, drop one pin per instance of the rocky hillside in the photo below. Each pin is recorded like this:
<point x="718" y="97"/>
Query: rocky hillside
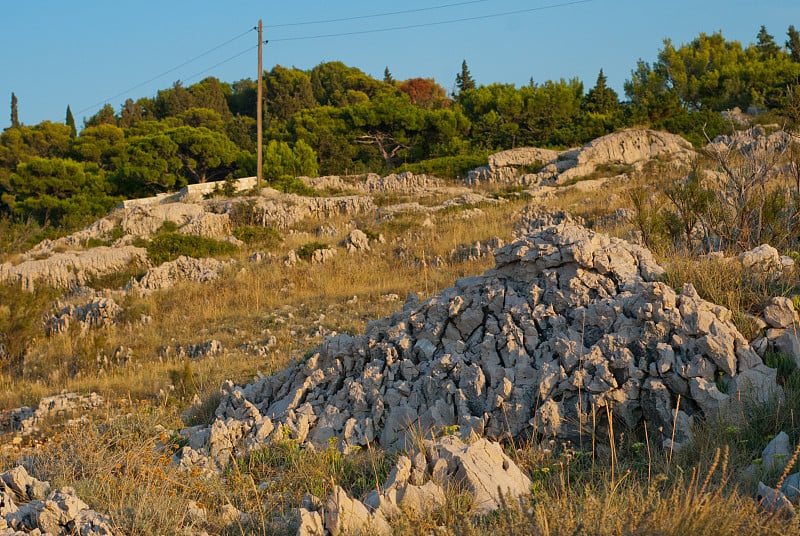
<point x="574" y="342"/>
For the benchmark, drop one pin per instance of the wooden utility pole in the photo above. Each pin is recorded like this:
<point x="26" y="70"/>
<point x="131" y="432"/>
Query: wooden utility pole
<point x="259" y="112"/>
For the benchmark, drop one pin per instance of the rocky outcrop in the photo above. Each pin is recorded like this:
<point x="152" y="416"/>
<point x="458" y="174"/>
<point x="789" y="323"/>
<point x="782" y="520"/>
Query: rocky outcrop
<point x="782" y="330"/>
<point x="406" y="182"/>
<point x="357" y="242"/>
<point x="515" y="166"/>
<point x="569" y="327"/>
<point x="418" y="484"/>
<point x="181" y="269"/>
<point x="282" y="211"/>
<point x="28" y="506"/>
<point x="26" y="420"/>
<point x="632" y="147"/>
<point x="70" y="269"/>
<point x="99" y="312"/>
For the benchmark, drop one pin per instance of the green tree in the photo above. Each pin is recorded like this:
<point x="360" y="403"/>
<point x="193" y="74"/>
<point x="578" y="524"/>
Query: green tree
<point x="241" y="130"/>
<point x="206" y="155"/>
<point x="305" y="159"/>
<point x="601" y="99"/>
<point x="14" y="111"/>
<point x="464" y="80"/>
<point x="765" y="44"/>
<point x="170" y="102"/>
<point x="387" y="77"/>
<point x="202" y="117"/>
<point x="70" y="122"/>
<point x="148" y="165"/>
<point x="326" y="130"/>
<point x="102" y="145"/>
<point x="134" y="112"/>
<point x="282" y="161"/>
<point x="20" y="144"/>
<point x="105" y="116"/>
<point x="336" y="84"/>
<point x="212" y="94"/>
<point x="793" y="43"/>
<point x="242" y="100"/>
<point x="60" y="191"/>
<point x="286" y="92"/>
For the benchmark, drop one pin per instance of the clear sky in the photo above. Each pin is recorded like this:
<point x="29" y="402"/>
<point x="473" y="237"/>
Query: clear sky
<point x="87" y="52"/>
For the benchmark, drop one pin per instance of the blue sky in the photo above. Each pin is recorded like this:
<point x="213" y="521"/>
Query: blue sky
<point x="87" y="52"/>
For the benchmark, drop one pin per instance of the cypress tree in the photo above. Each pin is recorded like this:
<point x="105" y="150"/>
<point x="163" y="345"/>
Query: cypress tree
<point x="464" y="80"/>
<point x="14" y="111"/>
<point x="71" y="123"/>
<point x="793" y="44"/>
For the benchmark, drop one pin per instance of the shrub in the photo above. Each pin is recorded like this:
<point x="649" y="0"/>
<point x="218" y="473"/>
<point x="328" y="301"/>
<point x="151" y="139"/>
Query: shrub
<point x="307" y="250"/>
<point x="447" y="167"/>
<point x="292" y="185"/>
<point x="169" y="246"/>
<point x="252" y="235"/>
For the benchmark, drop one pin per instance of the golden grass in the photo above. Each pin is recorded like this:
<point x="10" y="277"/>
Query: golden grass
<point x="116" y="467"/>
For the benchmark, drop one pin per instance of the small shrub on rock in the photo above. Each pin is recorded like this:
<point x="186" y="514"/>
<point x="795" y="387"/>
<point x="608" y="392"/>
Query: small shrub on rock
<point x="306" y="251"/>
<point x="169" y="246"/>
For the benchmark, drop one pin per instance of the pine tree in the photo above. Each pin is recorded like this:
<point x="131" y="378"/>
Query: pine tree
<point x="14" y="112"/>
<point x="793" y="44"/>
<point x="387" y="76"/>
<point x="601" y="99"/>
<point x="464" y="80"/>
<point x="766" y="46"/>
<point x="71" y="123"/>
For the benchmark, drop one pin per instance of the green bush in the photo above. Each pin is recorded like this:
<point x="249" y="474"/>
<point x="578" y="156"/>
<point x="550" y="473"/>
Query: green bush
<point x="252" y="235"/>
<point x="292" y="185"/>
<point x="169" y="246"/>
<point x="447" y="167"/>
<point x="307" y="250"/>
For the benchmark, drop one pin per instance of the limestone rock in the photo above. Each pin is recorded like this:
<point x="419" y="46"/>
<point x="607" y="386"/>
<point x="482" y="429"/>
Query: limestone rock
<point x="773" y="501"/>
<point x="41" y="511"/>
<point x="70" y="269"/>
<point x="776" y="453"/>
<point x="629" y="147"/>
<point x="484" y="469"/>
<point x="97" y="313"/>
<point x="181" y="269"/>
<point x="791" y="487"/>
<point x="347" y="516"/>
<point x="780" y="313"/>
<point x="357" y="241"/>
<point x="27" y="419"/>
<point x="322" y="256"/>
<point x="764" y="258"/>
<point x="309" y="523"/>
<point x="567" y="320"/>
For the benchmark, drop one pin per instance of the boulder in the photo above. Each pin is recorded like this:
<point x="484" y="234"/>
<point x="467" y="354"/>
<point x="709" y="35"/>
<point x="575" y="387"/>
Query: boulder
<point x="357" y="241"/>
<point x="764" y="258"/>
<point x="780" y="313"/>
<point x="485" y="470"/>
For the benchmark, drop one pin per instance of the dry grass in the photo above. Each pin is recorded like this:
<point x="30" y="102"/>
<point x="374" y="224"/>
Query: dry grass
<point x="117" y="465"/>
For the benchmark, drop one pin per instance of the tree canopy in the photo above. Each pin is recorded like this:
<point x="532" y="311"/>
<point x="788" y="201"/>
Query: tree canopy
<point x="335" y="119"/>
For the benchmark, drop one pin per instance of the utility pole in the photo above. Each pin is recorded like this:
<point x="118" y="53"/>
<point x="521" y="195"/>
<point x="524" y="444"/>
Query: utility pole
<point x="259" y="111"/>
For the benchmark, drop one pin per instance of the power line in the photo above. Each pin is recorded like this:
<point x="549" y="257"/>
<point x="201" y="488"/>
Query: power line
<point x="204" y="71"/>
<point x="429" y="24"/>
<point x="375" y="16"/>
<point x="185" y="63"/>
